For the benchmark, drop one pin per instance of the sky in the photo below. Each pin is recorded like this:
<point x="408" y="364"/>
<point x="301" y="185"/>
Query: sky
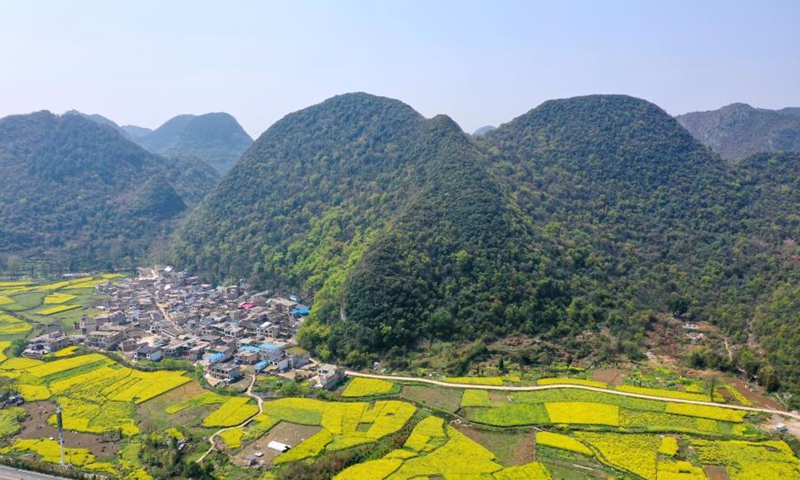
<point x="480" y="62"/>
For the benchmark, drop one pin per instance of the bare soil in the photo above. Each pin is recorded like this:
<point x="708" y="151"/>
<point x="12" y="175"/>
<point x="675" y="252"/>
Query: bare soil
<point x="715" y="472"/>
<point x="525" y="449"/>
<point x="289" y="433"/>
<point x="611" y="376"/>
<point x="35" y="426"/>
<point x="756" y="398"/>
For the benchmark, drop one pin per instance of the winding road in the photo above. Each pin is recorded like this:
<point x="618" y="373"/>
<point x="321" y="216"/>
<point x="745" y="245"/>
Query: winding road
<point x="213" y="437"/>
<point x="394" y="378"/>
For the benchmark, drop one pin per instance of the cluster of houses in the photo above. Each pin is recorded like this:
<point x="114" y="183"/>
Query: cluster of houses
<point x="164" y="313"/>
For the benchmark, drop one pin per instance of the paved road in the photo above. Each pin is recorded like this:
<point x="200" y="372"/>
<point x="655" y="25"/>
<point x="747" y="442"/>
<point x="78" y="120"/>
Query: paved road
<point x="575" y="387"/>
<point x="249" y="393"/>
<point x="9" y="473"/>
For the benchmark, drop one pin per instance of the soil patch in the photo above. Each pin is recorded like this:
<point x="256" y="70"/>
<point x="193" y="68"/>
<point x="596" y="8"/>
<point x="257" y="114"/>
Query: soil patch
<point x="715" y="472"/>
<point x="756" y="398"/>
<point x="35" y="426"/>
<point x="611" y="376"/>
<point x="289" y="433"/>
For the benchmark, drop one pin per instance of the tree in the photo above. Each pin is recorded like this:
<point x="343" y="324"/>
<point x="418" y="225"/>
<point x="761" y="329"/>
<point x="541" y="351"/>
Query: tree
<point x="678" y="304"/>
<point x="768" y="378"/>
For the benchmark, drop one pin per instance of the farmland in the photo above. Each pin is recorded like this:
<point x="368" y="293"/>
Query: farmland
<point x="550" y="425"/>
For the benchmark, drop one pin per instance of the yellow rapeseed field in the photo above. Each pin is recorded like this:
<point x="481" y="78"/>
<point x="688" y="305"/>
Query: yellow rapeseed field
<point x="57" y="309"/>
<point x="58" y="298"/>
<point x="703" y="411"/>
<point x="557" y="440"/>
<point x="571" y="381"/>
<point x="583" y="413"/>
<point x="366" y="387"/>
<point x="233" y="412"/>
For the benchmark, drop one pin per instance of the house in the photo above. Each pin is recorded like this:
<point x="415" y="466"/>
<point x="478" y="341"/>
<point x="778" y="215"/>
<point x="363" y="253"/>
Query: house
<point x="268" y="329"/>
<point x="329" y="376"/>
<point x="298" y="356"/>
<point x="48" y="343"/>
<point x="226" y="371"/>
<point x="196" y="353"/>
<point x="88" y="325"/>
<point x="248" y="355"/>
<point x="103" y="339"/>
<point x="148" y="352"/>
<point x="234" y="331"/>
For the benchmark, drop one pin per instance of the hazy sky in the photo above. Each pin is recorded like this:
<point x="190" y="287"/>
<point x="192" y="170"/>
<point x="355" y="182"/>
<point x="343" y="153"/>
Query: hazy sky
<point x="481" y="62"/>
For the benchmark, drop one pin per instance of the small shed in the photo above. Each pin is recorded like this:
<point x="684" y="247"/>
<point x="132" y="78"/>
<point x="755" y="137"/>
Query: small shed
<point x="278" y="446"/>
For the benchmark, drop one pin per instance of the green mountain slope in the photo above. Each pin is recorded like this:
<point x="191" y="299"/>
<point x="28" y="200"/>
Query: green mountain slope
<point x="627" y="191"/>
<point x="456" y="262"/>
<point x="79" y="193"/>
<point x="574" y="223"/>
<point x="313" y="189"/>
<point x="217" y="138"/>
<point x="739" y="130"/>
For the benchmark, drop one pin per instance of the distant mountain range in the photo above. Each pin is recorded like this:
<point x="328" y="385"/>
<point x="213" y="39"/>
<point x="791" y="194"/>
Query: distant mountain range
<point x="216" y="138"/>
<point x="739" y="130"/>
<point x="483" y="130"/>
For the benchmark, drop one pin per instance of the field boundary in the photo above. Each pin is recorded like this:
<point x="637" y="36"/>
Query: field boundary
<point x="532" y="388"/>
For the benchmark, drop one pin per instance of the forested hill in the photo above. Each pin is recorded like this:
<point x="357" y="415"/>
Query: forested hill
<point x="630" y="194"/>
<point x="216" y="138"/>
<point x="739" y="130"/>
<point x="457" y="261"/>
<point x="588" y="214"/>
<point x="311" y="191"/>
<point x="77" y="192"/>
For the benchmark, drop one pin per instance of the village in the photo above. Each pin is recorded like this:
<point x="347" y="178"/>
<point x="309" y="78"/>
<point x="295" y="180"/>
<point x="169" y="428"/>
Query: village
<point x="229" y="331"/>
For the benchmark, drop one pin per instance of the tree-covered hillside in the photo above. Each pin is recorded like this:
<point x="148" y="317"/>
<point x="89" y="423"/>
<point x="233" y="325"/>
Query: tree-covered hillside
<point x="641" y="208"/>
<point x="216" y="138"/>
<point x="77" y="192"/>
<point x="457" y="261"/>
<point x="309" y="194"/>
<point x="585" y="215"/>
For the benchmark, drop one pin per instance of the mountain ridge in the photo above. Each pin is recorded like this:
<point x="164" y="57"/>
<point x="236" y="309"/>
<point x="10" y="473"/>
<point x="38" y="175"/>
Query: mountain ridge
<point x="739" y="130"/>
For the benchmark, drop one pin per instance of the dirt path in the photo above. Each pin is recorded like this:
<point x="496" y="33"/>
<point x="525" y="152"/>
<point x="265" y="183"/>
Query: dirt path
<point x="575" y="387"/>
<point x="249" y="393"/>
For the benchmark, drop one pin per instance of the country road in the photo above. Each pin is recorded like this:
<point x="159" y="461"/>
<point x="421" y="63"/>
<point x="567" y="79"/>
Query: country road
<point x="394" y="378"/>
<point x="10" y="473"/>
<point x="249" y="393"/>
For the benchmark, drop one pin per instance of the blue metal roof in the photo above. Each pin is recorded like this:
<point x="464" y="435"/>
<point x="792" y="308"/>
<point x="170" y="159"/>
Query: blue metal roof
<point x="261" y="365"/>
<point x="250" y="348"/>
<point x="301" y="311"/>
<point x="268" y="346"/>
<point x="217" y="357"/>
